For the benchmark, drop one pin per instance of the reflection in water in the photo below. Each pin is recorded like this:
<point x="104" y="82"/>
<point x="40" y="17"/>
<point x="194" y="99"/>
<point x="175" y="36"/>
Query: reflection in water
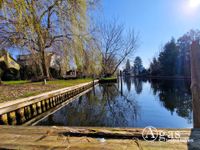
<point x="175" y="95"/>
<point x="127" y="80"/>
<point x="104" y="108"/>
<point x="137" y="83"/>
<point x="160" y="103"/>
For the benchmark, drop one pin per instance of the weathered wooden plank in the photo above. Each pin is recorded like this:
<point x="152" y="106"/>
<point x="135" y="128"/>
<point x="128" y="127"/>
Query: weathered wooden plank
<point x="195" y="81"/>
<point x="88" y="130"/>
<point x="36" y="137"/>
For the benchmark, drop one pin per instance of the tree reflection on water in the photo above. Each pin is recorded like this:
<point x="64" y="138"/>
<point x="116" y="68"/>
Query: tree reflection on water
<point x="175" y="95"/>
<point x="117" y="105"/>
<point x="103" y="107"/>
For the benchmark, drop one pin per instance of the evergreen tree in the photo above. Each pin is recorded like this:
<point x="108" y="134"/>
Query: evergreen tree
<point x="154" y="67"/>
<point x="168" y="59"/>
<point x="128" y="66"/>
<point x="174" y="59"/>
<point x="138" y="67"/>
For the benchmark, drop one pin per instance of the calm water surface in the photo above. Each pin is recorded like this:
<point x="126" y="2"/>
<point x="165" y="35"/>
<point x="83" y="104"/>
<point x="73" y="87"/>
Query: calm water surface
<point x="134" y="103"/>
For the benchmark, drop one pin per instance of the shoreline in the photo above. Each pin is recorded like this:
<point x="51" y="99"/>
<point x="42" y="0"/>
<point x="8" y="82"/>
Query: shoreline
<point x="162" y="77"/>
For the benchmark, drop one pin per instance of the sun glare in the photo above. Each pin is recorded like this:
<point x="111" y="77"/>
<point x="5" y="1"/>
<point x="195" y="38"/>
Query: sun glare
<point x="194" y="3"/>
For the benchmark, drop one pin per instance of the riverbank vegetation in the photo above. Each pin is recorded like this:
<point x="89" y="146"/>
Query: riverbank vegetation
<point x="174" y="58"/>
<point x="51" y="38"/>
<point x="137" y="69"/>
<point x="172" y="62"/>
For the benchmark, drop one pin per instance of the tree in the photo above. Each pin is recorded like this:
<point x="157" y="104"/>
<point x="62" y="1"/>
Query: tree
<point x="128" y="65"/>
<point x="154" y="67"/>
<point x="138" y="67"/>
<point x="115" y="46"/>
<point x="184" y="44"/>
<point x="42" y="26"/>
<point x="1" y="73"/>
<point x="174" y="59"/>
<point x="168" y="59"/>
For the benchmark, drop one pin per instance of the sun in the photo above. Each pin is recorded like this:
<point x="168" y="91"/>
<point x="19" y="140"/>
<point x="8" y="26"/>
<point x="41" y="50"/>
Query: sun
<point x="194" y="3"/>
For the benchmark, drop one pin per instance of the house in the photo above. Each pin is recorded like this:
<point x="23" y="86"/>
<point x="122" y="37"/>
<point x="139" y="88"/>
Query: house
<point x="58" y="67"/>
<point x="7" y="61"/>
<point x="33" y="59"/>
<point x="54" y="61"/>
<point x="70" y="74"/>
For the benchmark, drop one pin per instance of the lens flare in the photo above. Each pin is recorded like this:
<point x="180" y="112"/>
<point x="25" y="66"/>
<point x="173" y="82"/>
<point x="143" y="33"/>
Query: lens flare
<point x="194" y="3"/>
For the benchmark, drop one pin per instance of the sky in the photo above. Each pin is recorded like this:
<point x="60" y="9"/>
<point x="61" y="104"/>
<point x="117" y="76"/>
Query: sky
<point x="156" y="21"/>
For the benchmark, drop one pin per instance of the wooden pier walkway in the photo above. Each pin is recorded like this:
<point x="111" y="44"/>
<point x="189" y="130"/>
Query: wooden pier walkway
<point x="78" y="138"/>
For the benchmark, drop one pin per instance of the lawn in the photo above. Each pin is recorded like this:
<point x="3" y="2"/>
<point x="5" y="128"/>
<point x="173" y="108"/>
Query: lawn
<point x="108" y="80"/>
<point x="11" y="90"/>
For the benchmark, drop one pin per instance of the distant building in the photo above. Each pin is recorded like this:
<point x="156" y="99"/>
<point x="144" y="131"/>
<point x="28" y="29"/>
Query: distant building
<point x="32" y="59"/>
<point x="54" y="61"/>
<point x="7" y="61"/>
<point x="71" y="74"/>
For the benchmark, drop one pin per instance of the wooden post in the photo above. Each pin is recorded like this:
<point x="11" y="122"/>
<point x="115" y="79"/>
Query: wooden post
<point x="93" y="80"/>
<point x="118" y="75"/>
<point x="121" y="83"/>
<point x="195" y="82"/>
<point x="45" y="82"/>
<point x="1" y="73"/>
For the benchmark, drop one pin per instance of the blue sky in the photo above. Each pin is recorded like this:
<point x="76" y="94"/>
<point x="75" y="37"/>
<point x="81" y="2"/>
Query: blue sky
<point x="155" y="20"/>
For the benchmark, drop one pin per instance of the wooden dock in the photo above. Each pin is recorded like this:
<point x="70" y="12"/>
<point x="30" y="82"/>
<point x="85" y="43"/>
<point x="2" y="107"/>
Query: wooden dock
<point x="78" y="138"/>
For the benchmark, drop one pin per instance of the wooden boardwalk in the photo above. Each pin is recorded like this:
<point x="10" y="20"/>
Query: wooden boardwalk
<point x="76" y="138"/>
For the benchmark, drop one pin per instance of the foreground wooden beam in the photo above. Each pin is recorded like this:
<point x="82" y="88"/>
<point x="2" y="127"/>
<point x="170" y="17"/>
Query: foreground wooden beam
<point x="195" y="82"/>
<point x="18" y="137"/>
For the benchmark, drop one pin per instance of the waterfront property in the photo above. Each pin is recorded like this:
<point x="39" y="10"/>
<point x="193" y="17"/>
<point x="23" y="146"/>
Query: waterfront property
<point x="132" y="102"/>
<point x="70" y="79"/>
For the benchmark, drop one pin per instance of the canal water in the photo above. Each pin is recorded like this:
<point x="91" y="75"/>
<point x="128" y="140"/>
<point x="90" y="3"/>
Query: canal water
<point x="134" y="103"/>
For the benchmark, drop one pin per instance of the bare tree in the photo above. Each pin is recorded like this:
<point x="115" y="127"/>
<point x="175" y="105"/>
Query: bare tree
<point x="115" y="46"/>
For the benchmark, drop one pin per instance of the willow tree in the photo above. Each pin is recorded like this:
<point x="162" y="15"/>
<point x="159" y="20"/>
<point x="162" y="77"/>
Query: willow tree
<point x="38" y="26"/>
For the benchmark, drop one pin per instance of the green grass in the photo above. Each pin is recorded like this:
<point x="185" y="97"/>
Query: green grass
<point x="20" y="89"/>
<point x="109" y="78"/>
<point x="63" y="83"/>
<point x="66" y="83"/>
<point x="15" y="82"/>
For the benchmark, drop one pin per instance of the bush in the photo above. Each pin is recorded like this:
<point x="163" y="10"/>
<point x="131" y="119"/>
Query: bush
<point x="11" y="74"/>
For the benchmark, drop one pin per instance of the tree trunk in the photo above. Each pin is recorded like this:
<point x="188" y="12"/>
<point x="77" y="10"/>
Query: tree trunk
<point x="195" y="82"/>
<point x="45" y="67"/>
<point x="1" y="74"/>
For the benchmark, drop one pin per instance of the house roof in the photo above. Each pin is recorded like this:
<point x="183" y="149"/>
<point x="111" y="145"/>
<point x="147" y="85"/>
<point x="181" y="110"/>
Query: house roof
<point x="8" y="60"/>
